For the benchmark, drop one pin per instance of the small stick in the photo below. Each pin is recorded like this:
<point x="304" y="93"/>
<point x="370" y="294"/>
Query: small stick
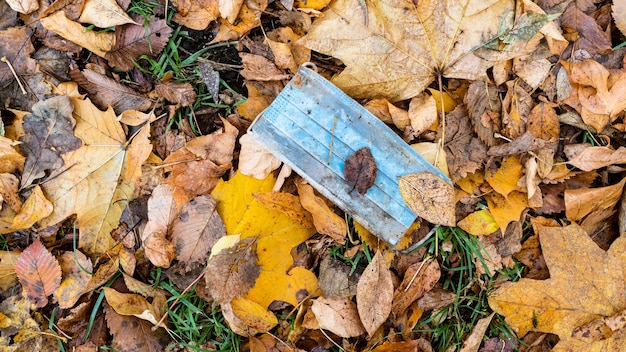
<point x="332" y="140"/>
<point x="6" y="61"/>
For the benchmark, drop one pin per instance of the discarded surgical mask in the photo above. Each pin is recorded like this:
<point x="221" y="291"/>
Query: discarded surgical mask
<point x="313" y="127"/>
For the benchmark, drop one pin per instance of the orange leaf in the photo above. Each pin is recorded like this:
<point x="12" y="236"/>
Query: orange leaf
<point x="39" y="273"/>
<point x="325" y="220"/>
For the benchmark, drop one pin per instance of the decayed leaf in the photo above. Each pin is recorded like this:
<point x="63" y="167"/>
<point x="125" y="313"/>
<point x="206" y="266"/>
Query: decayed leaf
<point x="254" y="159"/>
<point x="196" y="229"/>
<point x="162" y="210"/>
<point x="27" y="335"/>
<point x="583" y="201"/>
<point x="359" y="170"/>
<point x="97" y="42"/>
<point x="49" y="132"/>
<point x="101" y="179"/>
<point x="10" y="160"/>
<point x="38" y="272"/>
<point x="338" y="315"/>
<point x="588" y="158"/>
<point x="9" y="185"/>
<point x="8" y="277"/>
<point x="419" y="278"/>
<point x="335" y="279"/>
<point x="133" y="334"/>
<point x="258" y="68"/>
<point x="16" y="46"/>
<point x="398" y="50"/>
<point x="375" y="294"/>
<point x="585" y="284"/>
<point x="325" y="220"/>
<point x="233" y="271"/>
<point x="249" y="18"/>
<point x="178" y="93"/>
<point x="465" y="153"/>
<point x="132" y="41"/>
<point x="422" y="113"/>
<point x="75" y="267"/>
<point x="276" y="235"/>
<point x="35" y="208"/>
<point x="429" y="196"/>
<point x="104" y="13"/>
<point x="135" y="305"/>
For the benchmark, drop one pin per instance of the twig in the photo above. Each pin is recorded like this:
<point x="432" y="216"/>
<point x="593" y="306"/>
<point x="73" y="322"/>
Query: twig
<point x="6" y="61"/>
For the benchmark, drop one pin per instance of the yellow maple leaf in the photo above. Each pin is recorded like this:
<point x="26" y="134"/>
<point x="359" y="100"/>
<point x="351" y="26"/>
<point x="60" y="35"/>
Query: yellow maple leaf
<point x="586" y="284"/>
<point x="277" y="233"/>
<point x="99" y="178"/>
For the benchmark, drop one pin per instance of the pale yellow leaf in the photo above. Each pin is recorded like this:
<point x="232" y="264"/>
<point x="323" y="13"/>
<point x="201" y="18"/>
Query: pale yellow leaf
<point x="104" y="13"/>
<point x="98" y="43"/>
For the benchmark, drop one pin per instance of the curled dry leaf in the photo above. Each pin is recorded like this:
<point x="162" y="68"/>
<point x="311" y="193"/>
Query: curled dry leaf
<point x="162" y="210"/>
<point x="16" y="46"/>
<point x="38" y="272"/>
<point x="248" y="318"/>
<point x="375" y="294"/>
<point x="233" y="271"/>
<point x="588" y="158"/>
<point x="9" y="185"/>
<point x="254" y="159"/>
<point x="178" y="93"/>
<point x="419" y="278"/>
<point x="429" y="196"/>
<point x="107" y="92"/>
<point x="581" y="202"/>
<point x="136" y="305"/>
<point x="360" y="169"/>
<point x="338" y="315"/>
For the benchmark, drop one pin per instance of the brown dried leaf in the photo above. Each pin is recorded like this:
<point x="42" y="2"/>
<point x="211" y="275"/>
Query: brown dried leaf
<point x="49" y="132"/>
<point x="419" y="278"/>
<point x="474" y="340"/>
<point x="196" y="229"/>
<point x="543" y="122"/>
<point x="108" y="92"/>
<point x="233" y="271"/>
<point x="484" y="108"/>
<point x="334" y="278"/>
<point x="196" y="14"/>
<point x="254" y="159"/>
<point x="325" y="220"/>
<point x="258" y="68"/>
<point x="360" y="169"/>
<point x="588" y="158"/>
<point x="136" y="305"/>
<point x="10" y="160"/>
<point x="178" y="93"/>
<point x="375" y="294"/>
<point x="464" y="152"/>
<point x="104" y="13"/>
<point x="16" y="46"/>
<point x="162" y="210"/>
<point x="75" y="279"/>
<point x="8" y="277"/>
<point x="134" y="334"/>
<point x="249" y="18"/>
<point x="429" y="196"/>
<point x="38" y="272"/>
<point x="9" y="185"/>
<point x="338" y="315"/>
<point x="583" y="201"/>
<point x="229" y="9"/>
<point x="590" y="36"/>
<point x="72" y="8"/>
<point x="133" y="41"/>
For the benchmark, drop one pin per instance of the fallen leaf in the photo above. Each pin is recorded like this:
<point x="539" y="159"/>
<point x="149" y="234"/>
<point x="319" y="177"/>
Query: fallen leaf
<point x="23" y="332"/>
<point x="602" y="328"/>
<point x="325" y="220"/>
<point x="209" y="155"/>
<point x="162" y="210"/>
<point x="544" y="123"/>
<point x="338" y="315"/>
<point x="504" y="179"/>
<point x="133" y="41"/>
<point x="35" y="208"/>
<point x="254" y="159"/>
<point x="619" y="15"/>
<point x="479" y="223"/>
<point x="178" y="93"/>
<point x="473" y="341"/>
<point x="375" y="294"/>
<point x="276" y="235"/>
<point x="8" y="277"/>
<point x="465" y="153"/>
<point x="229" y="9"/>
<point x="10" y="160"/>
<point x="504" y="210"/>
<point x="196" y="229"/>
<point x="588" y="158"/>
<point x="419" y="278"/>
<point x="72" y="8"/>
<point x="397" y="52"/>
<point x="135" y="305"/>
<point x="583" y="201"/>
<point x="578" y="291"/>
<point x="335" y="280"/>
<point x="16" y="46"/>
<point x="49" y="132"/>
<point x="254" y="317"/>
<point x="97" y="42"/>
<point x="359" y="170"/>
<point x="233" y="271"/>
<point x="133" y="334"/>
<point x="104" y="13"/>
<point x="590" y="37"/>
<point x="484" y="108"/>
<point x="38" y="272"/>
<point x="101" y="179"/>
<point x="428" y="196"/>
<point x="249" y="18"/>
<point x="434" y="153"/>
<point x="388" y="346"/>
<point x="196" y="15"/>
<point x="76" y="268"/>
<point x="288" y="204"/>
<point x="258" y="68"/>
<point x="9" y="185"/>
<point x="422" y="113"/>
<point x="24" y="6"/>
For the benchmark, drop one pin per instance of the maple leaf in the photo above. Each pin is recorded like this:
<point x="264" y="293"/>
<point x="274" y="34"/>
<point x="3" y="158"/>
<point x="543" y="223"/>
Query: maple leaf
<point x="401" y="47"/>
<point x="39" y="273"/>
<point x="100" y="176"/>
<point x="585" y="284"/>
<point x="277" y="234"/>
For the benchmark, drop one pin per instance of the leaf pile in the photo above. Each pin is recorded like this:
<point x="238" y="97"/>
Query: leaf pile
<point x="127" y="174"/>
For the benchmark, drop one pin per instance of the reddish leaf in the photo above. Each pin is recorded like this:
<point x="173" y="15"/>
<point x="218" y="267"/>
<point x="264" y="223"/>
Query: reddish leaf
<point x="39" y="273"/>
<point x="133" y="41"/>
<point x="360" y="170"/>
